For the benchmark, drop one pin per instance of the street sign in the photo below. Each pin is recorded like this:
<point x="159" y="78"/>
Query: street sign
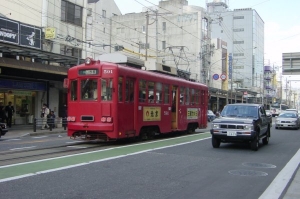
<point x="216" y="76"/>
<point x="223" y="77"/>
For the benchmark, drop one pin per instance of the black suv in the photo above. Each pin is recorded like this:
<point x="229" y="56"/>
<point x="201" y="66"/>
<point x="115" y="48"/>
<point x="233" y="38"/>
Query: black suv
<point x="242" y="123"/>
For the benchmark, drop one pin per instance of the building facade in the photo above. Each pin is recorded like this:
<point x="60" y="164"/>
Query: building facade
<point x="173" y="33"/>
<point x="243" y="30"/>
<point x="39" y="42"/>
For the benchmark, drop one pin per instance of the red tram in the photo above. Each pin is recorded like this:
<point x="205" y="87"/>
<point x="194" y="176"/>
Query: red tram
<point x="109" y="101"/>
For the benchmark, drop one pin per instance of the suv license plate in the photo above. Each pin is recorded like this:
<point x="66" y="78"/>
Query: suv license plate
<point x="231" y="133"/>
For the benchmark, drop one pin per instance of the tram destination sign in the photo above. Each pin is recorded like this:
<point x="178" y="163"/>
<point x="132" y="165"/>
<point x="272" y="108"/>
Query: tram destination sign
<point x="89" y="72"/>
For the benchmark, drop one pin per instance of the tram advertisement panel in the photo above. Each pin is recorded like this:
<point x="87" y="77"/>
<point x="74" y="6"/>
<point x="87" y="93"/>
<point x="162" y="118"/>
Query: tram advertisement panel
<point x="192" y="113"/>
<point x="151" y="113"/>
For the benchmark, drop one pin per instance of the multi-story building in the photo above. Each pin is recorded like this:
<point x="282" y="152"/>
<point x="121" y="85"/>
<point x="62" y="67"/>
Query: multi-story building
<point x="243" y="30"/>
<point x="173" y="33"/>
<point x="39" y="41"/>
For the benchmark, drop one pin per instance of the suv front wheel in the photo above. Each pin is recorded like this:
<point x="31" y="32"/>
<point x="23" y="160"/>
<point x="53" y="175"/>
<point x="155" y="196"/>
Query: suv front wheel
<point x="215" y="142"/>
<point x="255" y="143"/>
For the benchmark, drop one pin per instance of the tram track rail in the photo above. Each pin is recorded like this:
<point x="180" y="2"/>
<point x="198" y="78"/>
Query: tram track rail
<point x="19" y="156"/>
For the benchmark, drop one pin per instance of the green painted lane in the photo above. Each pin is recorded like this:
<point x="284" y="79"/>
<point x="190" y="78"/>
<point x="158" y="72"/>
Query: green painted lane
<point x="34" y="167"/>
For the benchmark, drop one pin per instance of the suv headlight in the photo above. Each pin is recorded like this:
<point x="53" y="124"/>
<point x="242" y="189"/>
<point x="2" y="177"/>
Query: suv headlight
<point x="215" y="126"/>
<point x="248" y="127"/>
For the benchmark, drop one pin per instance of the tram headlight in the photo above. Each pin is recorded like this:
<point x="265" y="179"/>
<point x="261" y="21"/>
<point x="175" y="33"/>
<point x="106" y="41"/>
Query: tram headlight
<point x="109" y="119"/>
<point x="103" y="119"/>
<point x="88" y="61"/>
<point x="71" y="119"/>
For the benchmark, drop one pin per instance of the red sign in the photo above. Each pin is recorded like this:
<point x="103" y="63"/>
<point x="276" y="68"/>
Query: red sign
<point x="66" y="83"/>
<point x="223" y="76"/>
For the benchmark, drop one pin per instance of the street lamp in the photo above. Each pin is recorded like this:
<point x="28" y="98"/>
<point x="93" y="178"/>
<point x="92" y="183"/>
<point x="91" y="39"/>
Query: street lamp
<point x="209" y="71"/>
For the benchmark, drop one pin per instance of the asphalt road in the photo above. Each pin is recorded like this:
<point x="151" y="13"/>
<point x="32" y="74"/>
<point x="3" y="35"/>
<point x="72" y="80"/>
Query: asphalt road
<point x="178" y="168"/>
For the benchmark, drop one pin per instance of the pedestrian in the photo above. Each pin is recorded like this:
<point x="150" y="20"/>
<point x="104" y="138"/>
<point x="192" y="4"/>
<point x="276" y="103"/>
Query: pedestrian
<point x="2" y="113"/>
<point x="44" y="114"/>
<point x="51" y="119"/>
<point x="9" y="109"/>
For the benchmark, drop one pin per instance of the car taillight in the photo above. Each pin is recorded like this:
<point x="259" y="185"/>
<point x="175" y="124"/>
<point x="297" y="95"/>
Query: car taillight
<point x="103" y="119"/>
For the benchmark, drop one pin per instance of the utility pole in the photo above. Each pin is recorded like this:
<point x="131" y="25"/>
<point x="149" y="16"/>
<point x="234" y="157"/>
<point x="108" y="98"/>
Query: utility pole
<point x="231" y="57"/>
<point x="156" y="19"/>
<point x="147" y="22"/>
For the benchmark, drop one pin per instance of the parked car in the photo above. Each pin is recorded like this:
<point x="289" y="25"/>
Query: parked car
<point x="292" y="109"/>
<point x="269" y="112"/>
<point x="3" y="129"/>
<point x="288" y="119"/>
<point x="210" y="116"/>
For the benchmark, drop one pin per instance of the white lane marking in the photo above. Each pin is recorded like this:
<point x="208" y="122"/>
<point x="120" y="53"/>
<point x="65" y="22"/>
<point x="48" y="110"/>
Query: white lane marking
<point x="276" y="188"/>
<point x="25" y="135"/>
<point x="29" y="147"/>
<point x="90" y="162"/>
<point x="80" y="147"/>
<point x="73" y="142"/>
<point x="11" y="140"/>
<point x="40" y="137"/>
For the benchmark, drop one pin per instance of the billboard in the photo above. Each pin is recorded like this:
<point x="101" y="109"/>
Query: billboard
<point x="30" y="36"/>
<point x="9" y="31"/>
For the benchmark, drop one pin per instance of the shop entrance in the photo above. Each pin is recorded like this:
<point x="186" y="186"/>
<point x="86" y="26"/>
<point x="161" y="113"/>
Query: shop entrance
<point x="23" y="103"/>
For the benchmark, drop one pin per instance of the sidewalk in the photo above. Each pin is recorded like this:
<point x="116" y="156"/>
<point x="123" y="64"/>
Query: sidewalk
<point x="17" y="131"/>
<point x="289" y="182"/>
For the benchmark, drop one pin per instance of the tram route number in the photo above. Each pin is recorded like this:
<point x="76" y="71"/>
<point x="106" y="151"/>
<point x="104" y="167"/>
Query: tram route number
<point x="192" y="113"/>
<point x="107" y="71"/>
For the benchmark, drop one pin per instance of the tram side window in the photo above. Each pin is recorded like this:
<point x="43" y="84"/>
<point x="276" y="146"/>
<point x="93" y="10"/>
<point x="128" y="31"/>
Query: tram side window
<point x="187" y="96"/>
<point x="89" y="89"/>
<point x="158" y="93"/>
<point x="106" y="89"/>
<point x="142" y="91"/>
<point x="197" y="97"/>
<point x="166" y="94"/>
<point x="193" y="96"/>
<point x="181" y="95"/>
<point x="74" y="90"/>
<point x="129" y="92"/>
<point x="151" y="92"/>
<point x="120" y="89"/>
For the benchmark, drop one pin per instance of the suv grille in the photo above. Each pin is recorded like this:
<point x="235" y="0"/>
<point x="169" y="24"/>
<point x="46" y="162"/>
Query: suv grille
<point x="230" y="126"/>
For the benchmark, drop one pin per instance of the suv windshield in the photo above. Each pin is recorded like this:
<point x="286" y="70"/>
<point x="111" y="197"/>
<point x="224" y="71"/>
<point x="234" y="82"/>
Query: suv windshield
<point x="239" y="111"/>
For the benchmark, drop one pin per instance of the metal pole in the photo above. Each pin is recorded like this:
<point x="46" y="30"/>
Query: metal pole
<point x="156" y="13"/>
<point x="147" y="22"/>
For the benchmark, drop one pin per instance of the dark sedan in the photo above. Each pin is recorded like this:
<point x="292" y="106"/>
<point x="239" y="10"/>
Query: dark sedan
<point x="3" y="129"/>
<point x="210" y="116"/>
